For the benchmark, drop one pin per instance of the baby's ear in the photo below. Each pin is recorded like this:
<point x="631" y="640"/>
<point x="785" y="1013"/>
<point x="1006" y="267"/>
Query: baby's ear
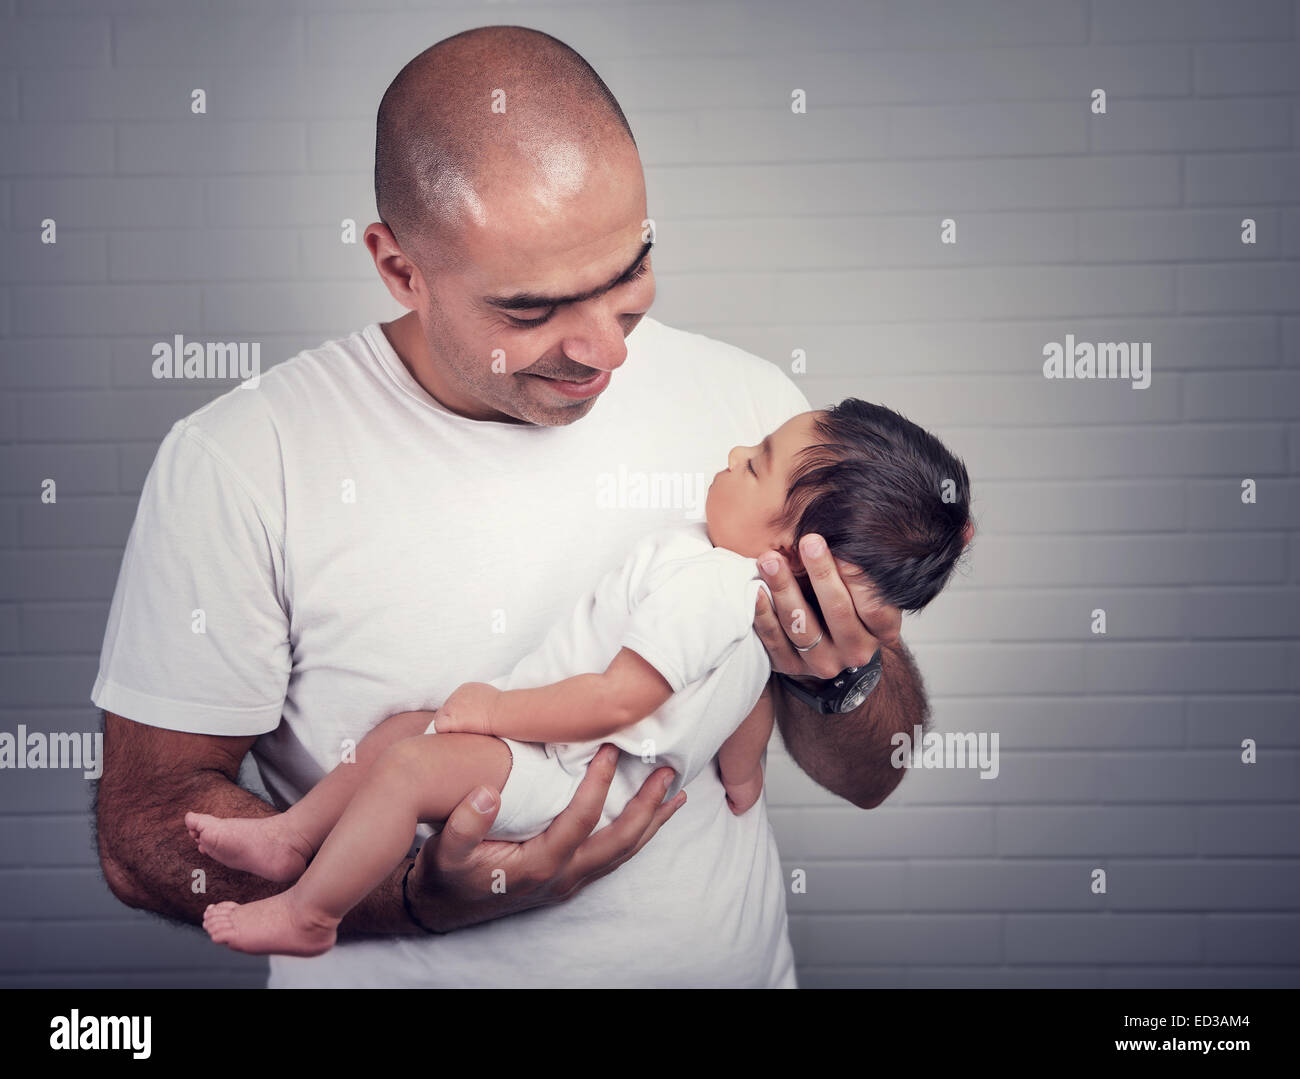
<point x="792" y="559"/>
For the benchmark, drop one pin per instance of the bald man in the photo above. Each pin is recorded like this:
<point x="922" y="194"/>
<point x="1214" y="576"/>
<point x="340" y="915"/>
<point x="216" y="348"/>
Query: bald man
<point x="410" y="507"/>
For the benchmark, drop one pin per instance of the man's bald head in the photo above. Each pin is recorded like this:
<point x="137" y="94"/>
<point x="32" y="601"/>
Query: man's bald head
<point x="439" y="144"/>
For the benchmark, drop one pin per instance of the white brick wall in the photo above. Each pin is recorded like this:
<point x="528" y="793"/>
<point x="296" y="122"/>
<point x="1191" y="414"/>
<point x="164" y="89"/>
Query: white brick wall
<point x="779" y="232"/>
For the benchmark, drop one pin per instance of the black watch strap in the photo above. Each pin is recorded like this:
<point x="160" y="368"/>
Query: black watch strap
<point x="843" y="693"/>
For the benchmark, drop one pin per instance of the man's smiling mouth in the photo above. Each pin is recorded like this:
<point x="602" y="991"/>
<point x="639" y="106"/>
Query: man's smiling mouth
<point x="587" y="387"/>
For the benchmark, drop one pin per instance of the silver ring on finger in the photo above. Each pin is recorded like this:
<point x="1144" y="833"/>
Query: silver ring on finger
<point x="810" y="647"/>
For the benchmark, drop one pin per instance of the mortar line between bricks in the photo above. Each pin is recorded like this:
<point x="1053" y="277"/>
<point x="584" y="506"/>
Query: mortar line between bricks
<point x="1166" y="314"/>
<point x="1272" y="262"/>
<point x="736" y="163"/>
<point x="307" y="230"/>
<point x="1278" y="262"/>
<point x="1056" y="99"/>
<point x="1082" y="426"/>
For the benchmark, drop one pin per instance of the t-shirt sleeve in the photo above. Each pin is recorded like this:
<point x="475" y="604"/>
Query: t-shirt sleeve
<point x="688" y="617"/>
<point x="198" y="635"/>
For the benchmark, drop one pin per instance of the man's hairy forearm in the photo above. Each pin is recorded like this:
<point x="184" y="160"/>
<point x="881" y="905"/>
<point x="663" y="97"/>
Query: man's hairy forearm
<point x="849" y="755"/>
<point x="149" y="858"/>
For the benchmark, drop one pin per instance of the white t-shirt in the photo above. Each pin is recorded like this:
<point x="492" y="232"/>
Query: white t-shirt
<point x="687" y="608"/>
<point x="334" y="546"/>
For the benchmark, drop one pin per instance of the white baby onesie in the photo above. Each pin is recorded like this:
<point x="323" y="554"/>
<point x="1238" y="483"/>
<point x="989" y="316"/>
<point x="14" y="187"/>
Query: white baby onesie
<point x="687" y="608"/>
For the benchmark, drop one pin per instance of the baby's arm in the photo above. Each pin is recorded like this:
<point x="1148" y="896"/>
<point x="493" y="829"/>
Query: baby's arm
<point x="740" y="758"/>
<point x="584" y="708"/>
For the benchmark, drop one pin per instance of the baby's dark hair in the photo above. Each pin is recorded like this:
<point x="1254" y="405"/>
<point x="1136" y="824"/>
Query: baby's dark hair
<point x="886" y="496"/>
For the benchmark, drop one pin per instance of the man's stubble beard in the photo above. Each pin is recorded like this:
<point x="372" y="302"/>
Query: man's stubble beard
<point x="472" y="376"/>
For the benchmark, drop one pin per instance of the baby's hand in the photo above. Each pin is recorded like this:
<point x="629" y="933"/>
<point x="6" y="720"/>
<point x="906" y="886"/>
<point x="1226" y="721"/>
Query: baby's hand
<point x="742" y="795"/>
<point x="469" y="710"/>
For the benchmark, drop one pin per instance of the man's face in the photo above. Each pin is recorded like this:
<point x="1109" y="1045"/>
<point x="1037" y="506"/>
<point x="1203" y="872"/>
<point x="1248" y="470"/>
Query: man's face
<point x="556" y="274"/>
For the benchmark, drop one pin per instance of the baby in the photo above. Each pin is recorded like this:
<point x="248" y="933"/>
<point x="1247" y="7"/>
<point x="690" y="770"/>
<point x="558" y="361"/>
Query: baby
<point x="662" y="662"/>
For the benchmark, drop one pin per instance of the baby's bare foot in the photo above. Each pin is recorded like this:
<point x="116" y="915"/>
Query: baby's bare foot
<point x="265" y="846"/>
<point x="269" y="926"/>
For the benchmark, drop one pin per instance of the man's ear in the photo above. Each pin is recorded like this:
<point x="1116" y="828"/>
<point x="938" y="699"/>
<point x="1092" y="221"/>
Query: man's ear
<point x="967" y="532"/>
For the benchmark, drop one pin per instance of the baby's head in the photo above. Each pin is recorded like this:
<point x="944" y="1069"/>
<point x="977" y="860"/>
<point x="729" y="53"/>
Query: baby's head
<point x="886" y="495"/>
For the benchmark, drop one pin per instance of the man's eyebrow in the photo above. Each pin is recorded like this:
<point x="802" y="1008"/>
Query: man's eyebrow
<point x="525" y="301"/>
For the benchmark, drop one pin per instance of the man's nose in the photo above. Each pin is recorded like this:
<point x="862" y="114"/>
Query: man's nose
<point x="598" y="343"/>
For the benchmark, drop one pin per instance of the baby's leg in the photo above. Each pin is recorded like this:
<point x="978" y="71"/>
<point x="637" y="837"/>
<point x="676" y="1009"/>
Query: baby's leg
<point x="418" y="779"/>
<point x="279" y="847"/>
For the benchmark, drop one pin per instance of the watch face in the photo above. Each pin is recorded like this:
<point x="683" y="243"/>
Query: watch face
<point x="853" y="700"/>
<point x="859" y="692"/>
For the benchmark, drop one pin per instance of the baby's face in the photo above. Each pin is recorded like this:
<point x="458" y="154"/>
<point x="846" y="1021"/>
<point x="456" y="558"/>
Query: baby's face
<point x="752" y="489"/>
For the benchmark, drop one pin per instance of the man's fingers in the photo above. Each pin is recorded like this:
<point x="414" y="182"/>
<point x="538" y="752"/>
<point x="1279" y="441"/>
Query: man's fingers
<point x="783" y="657"/>
<point x="580" y="817"/>
<point x="641" y="818"/>
<point x="467" y="827"/>
<point x="665" y="810"/>
<point x="856" y="620"/>
<point x="797" y="620"/>
<point x="853" y="645"/>
<point x="884" y="621"/>
<point x="567" y="849"/>
<point x="661" y="814"/>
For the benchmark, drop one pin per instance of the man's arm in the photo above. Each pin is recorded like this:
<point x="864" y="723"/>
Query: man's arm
<point x="153" y="776"/>
<point x="850" y="754"/>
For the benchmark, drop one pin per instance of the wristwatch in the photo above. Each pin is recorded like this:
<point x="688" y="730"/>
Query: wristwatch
<point x="843" y="693"/>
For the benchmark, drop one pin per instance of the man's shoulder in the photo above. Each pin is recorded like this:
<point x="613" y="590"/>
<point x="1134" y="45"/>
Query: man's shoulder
<point x="696" y="346"/>
<point x="282" y="390"/>
<point x="705" y="359"/>
<point x="248" y="426"/>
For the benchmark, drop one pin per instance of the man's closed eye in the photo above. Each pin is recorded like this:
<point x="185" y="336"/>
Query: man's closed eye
<point x="526" y="323"/>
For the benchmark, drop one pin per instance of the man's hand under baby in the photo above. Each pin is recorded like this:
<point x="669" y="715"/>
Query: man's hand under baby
<point x="454" y="883"/>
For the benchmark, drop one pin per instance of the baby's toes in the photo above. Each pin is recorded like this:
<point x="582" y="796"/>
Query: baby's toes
<point x="219" y="920"/>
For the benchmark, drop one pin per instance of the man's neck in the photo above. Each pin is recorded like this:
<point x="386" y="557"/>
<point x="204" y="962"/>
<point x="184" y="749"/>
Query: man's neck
<point x="407" y="339"/>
